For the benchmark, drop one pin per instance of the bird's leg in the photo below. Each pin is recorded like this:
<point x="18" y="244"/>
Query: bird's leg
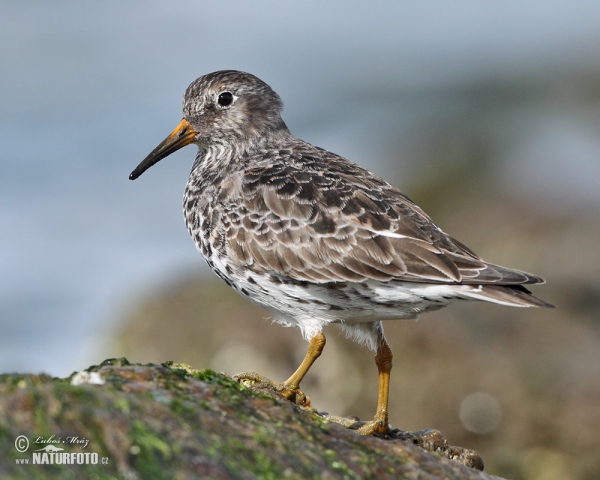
<point x="290" y="389"/>
<point x="383" y="360"/>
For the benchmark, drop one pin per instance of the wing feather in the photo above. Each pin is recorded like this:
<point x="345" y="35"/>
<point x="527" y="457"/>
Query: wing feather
<point x="306" y="222"/>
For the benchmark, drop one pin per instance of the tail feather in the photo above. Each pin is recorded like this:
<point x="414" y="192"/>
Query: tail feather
<point x="512" y="295"/>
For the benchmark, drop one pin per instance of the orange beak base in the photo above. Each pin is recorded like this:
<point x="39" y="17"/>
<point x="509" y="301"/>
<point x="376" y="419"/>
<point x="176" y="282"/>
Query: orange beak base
<point x="183" y="135"/>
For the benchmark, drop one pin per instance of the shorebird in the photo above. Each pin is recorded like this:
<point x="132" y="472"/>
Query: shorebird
<point x="312" y="237"/>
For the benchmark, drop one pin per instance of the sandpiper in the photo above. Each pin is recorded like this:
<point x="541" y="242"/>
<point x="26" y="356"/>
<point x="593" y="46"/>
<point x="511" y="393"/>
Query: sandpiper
<point x="312" y="237"/>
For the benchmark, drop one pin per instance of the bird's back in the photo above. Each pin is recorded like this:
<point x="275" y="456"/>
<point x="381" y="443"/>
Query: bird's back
<point x="300" y="215"/>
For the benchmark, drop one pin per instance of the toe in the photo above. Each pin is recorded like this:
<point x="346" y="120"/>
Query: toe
<point x="375" y="426"/>
<point x="291" y="392"/>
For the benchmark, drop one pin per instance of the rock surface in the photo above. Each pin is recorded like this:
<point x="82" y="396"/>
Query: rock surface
<point x="168" y="421"/>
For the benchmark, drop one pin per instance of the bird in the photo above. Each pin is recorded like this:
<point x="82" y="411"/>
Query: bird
<point x="312" y="237"/>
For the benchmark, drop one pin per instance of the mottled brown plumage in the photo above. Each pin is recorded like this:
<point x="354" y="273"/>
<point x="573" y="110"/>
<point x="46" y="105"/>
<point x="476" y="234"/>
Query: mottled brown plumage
<point x="311" y="236"/>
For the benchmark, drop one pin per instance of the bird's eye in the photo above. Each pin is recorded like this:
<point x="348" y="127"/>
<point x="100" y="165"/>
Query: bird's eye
<point x="225" y="99"/>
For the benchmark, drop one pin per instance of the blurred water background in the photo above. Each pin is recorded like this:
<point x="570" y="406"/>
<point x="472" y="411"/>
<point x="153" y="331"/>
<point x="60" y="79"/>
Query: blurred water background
<point x="485" y="113"/>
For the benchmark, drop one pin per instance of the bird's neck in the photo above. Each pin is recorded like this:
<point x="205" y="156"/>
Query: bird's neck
<point x="224" y="156"/>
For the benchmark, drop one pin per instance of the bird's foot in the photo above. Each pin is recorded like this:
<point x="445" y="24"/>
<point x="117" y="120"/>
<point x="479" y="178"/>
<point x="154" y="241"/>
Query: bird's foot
<point x="291" y="392"/>
<point x="379" y="426"/>
<point x="375" y="426"/>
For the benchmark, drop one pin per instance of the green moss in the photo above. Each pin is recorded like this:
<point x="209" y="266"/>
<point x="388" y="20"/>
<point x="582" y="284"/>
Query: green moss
<point x="163" y="419"/>
<point x="150" y="453"/>
<point x="263" y="437"/>
<point x="114" y="380"/>
<point x="77" y="393"/>
<point x="112" y="362"/>
<point x="122" y="404"/>
<point x="265" y="467"/>
<point x="331" y="457"/>
<point x="243" y="458"/>
<point x="208" y="376"/>
<point x="14" y="381"/>
<point x="366" y="460"/>
<point x="184" y="408"/>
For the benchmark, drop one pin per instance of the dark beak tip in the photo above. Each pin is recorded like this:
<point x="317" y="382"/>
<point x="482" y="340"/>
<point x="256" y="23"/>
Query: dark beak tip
<point x="180" y="137"/>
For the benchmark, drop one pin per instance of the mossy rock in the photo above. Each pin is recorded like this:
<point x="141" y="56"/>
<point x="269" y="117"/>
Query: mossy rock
<point x="170" y="421"/>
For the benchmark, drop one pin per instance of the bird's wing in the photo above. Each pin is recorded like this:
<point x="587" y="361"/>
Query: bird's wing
<point x="344" y="224"/>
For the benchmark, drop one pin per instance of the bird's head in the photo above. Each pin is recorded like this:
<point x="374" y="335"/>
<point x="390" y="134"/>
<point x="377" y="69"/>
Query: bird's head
<point x="223" y="108"/>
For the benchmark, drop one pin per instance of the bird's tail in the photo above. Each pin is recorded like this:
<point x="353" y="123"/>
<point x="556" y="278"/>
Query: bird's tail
<point x="511" y="295"/>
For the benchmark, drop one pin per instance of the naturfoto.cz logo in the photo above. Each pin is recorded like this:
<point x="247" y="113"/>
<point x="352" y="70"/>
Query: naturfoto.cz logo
<point x="52" y="454"/>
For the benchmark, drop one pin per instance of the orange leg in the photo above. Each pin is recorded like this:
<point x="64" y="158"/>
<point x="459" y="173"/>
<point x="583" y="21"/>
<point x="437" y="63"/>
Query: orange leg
<point x="383" y="360"/>
<point x="290" y="389"/>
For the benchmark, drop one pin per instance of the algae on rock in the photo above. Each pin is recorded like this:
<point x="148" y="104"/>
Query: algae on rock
<point x="170" y="421"/>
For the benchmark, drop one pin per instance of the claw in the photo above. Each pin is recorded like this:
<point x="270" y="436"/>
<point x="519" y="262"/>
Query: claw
<point x="363" y="428"/>
<point x="375" y="426"/>
<point x="290" y="389"/>
<point x="294" y="394"/>
<point x="251" y="378"/>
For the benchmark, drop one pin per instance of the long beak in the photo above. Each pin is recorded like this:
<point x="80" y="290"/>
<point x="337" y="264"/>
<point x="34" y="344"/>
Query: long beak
<point x="183" y="135"/>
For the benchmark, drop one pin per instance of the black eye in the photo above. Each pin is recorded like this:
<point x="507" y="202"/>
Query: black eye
<point x="225" y="99"/>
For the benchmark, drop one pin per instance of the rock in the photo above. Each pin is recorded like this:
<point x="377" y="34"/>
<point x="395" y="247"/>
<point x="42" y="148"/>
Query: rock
<point x="136" y="421"/>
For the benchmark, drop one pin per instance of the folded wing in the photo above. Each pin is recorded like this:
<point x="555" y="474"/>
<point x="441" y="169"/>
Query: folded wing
<point x="335" y="226"/>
